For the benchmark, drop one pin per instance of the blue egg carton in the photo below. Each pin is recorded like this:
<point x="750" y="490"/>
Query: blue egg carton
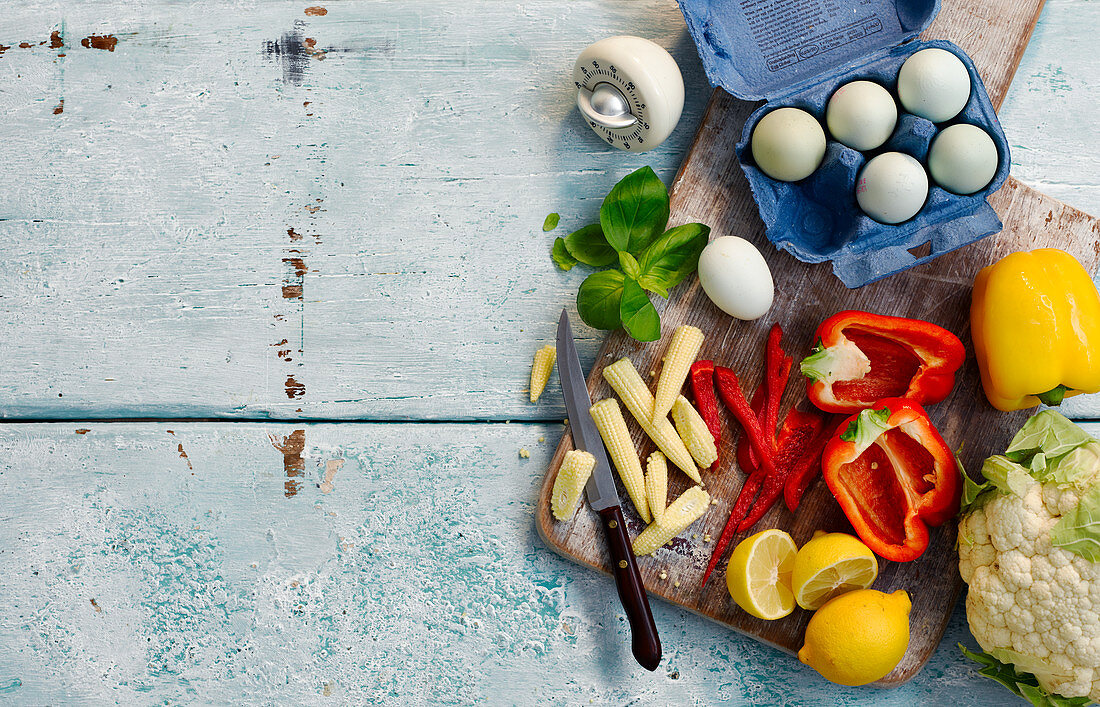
<point x="797" y="53"/>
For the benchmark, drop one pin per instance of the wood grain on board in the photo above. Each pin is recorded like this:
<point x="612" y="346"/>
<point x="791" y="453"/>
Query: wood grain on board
<point x="711" y="188"/>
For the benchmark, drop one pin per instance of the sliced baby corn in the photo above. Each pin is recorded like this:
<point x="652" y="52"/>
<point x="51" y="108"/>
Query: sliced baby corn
<point x="540" y="370"/>
<point x="573" y="474"/>
<point x="694" y="433"/>
<point x="656" y="484"/>
<point x="684" y="511"/>
<point x="682" y="350"/>
<point x="624" y="380"/>
<point x="609" y="421"/>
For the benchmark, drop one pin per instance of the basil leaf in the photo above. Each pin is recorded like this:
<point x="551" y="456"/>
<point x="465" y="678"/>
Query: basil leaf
<point x="629" y="266"/>
<point x="561" y="255"/>
<point x="635" y="211"/>
<point x="598" y="299"/>
<point x="672" y="257"/>
<point x="1079" y="532"/>
<point x="551" y="222"/>
<point x="590" y="247"/>
<point x="639" y="316"/>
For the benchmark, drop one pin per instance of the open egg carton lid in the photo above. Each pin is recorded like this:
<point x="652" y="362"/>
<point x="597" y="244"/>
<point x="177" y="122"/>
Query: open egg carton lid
<point x="797" y="53"/>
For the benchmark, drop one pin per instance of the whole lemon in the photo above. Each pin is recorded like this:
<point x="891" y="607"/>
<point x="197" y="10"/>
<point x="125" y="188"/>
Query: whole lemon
<point x="858" y="637"/>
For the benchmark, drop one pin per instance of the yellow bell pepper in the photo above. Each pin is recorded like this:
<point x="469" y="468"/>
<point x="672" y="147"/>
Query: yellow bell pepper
<point x="1035" y="322"/>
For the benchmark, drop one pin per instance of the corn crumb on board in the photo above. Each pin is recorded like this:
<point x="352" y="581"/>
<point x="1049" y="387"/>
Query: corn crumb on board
<point x="711" y="188"/>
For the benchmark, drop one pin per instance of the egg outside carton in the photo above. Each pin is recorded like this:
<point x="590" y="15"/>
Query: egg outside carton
<point x="818" y="219"/>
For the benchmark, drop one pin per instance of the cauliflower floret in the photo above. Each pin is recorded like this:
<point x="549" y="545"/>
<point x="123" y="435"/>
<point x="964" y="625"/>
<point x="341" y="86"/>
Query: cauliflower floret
<point x="1026" y="596"/>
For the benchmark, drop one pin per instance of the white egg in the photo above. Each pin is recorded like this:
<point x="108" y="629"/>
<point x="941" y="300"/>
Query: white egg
<point x="934" y="84"/>
<point x="892" y="187"/>
<point x="736" y="278"/>
<point x="963" y="159"/>
<point x="862" y="115"/>
<point x="788" y="144"/>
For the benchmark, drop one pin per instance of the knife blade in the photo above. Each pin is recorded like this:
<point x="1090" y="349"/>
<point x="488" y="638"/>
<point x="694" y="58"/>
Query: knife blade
<point x="604" y="499"/>
<point x="601" y="485"/>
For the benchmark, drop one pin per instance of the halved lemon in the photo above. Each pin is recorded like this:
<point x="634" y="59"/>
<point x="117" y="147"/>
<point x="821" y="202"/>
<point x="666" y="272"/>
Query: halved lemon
<point x="759" y="574"/>
<point x="829" y="565"/>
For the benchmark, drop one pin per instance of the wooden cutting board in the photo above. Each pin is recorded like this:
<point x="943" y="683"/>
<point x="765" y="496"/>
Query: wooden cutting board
<point x="710" y="188"/>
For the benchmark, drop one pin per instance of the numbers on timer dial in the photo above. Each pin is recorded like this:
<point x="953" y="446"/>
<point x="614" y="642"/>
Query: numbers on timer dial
<point x="649" y="81"/>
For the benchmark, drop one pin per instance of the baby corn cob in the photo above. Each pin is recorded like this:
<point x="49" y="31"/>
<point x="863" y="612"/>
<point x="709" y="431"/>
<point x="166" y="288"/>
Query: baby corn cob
<point x="575" y="469"/>
<point x="540" y="370"/>
<point x="694" y="433"/>
<point x="684" y="511"/>
<point x="609" y="421"/>
<point x="656" y="484"/>
<point x="682" y="350"/>
<point x="624" y="380"/>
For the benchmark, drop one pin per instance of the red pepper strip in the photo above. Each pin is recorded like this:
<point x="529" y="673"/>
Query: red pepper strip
<point x="861" y="357"/>
<point x="808" y="466"/>
<point x="702" y="387"/>
<point x="777" y="368"/>
<point x="729" y="389"/>
<point x="893" y="476"/>
<point x="744" y="498"/>
<point x="746" y="459"/>
<point x="749" y="489"/>
<point x="799" y="431"/>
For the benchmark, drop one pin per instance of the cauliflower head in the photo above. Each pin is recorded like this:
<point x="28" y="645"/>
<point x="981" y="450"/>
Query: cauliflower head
<point x="1029" y="549"/>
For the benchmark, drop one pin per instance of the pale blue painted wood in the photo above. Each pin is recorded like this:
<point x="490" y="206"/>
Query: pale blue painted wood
<point x="145" y="232"/>
<point x="418" y="578"/>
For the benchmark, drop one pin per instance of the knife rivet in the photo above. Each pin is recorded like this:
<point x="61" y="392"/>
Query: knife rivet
<point x="622" y="564"/>
<point x="613" y="524"/>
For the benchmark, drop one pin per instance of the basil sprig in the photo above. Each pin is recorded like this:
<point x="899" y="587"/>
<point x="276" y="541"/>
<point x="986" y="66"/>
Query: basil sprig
<point x="632" y="235"/>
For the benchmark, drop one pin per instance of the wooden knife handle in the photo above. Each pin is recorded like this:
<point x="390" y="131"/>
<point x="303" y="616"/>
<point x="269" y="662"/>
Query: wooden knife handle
<point x="645" y="643"/>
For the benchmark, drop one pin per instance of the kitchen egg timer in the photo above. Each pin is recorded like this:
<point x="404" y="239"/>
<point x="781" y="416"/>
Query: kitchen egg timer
<point x="797" y="54"/>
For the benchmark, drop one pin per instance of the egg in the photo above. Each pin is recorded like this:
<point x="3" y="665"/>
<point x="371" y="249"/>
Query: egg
<point x="788" y="144"/>
<point x="862" y="115"/>
<point x="963" y="159"/>
<point x="934" y="84"/>
<point x="892" y="187"/>
<point x="736" y="278"/>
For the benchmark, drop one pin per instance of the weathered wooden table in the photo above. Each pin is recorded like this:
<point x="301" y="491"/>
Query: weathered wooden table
<point x="273" y="275"/>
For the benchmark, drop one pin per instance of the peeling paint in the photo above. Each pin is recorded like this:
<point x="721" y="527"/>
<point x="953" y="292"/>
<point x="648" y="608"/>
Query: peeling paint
<point x="294" y="466"/>
<point x="56" y="41"/>
<point x="83" y="431"/>
<point x="298" y="264"/>
<point x="294" y="389"/>
<point x="96" y="606"/>
<point x="100" y="41"/>
<point x="293" y="236"/>
<point x="183" y="456"/>
<point x="331" y="467"/>
<point x="316" y="11"/>
<point x="60" y="108"/>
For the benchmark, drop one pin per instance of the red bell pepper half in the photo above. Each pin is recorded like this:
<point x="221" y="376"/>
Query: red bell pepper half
<point x="702" y="388"/>
<point x="862" y="357"/>
<point x="893" y="476"/>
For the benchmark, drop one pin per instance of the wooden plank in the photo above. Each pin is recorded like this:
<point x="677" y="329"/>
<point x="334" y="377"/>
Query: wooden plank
<point x="711" y="188"/>
<point x="145" y="227"/>
<point x="224" y="220"/>
<point x="408" y="582"/>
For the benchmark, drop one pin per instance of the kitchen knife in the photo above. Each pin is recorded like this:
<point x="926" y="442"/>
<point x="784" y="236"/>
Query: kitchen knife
<point x="604" y="499"/>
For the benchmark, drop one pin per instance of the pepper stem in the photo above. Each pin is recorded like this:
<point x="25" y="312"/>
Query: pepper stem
<point x="1054" y="396"/>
